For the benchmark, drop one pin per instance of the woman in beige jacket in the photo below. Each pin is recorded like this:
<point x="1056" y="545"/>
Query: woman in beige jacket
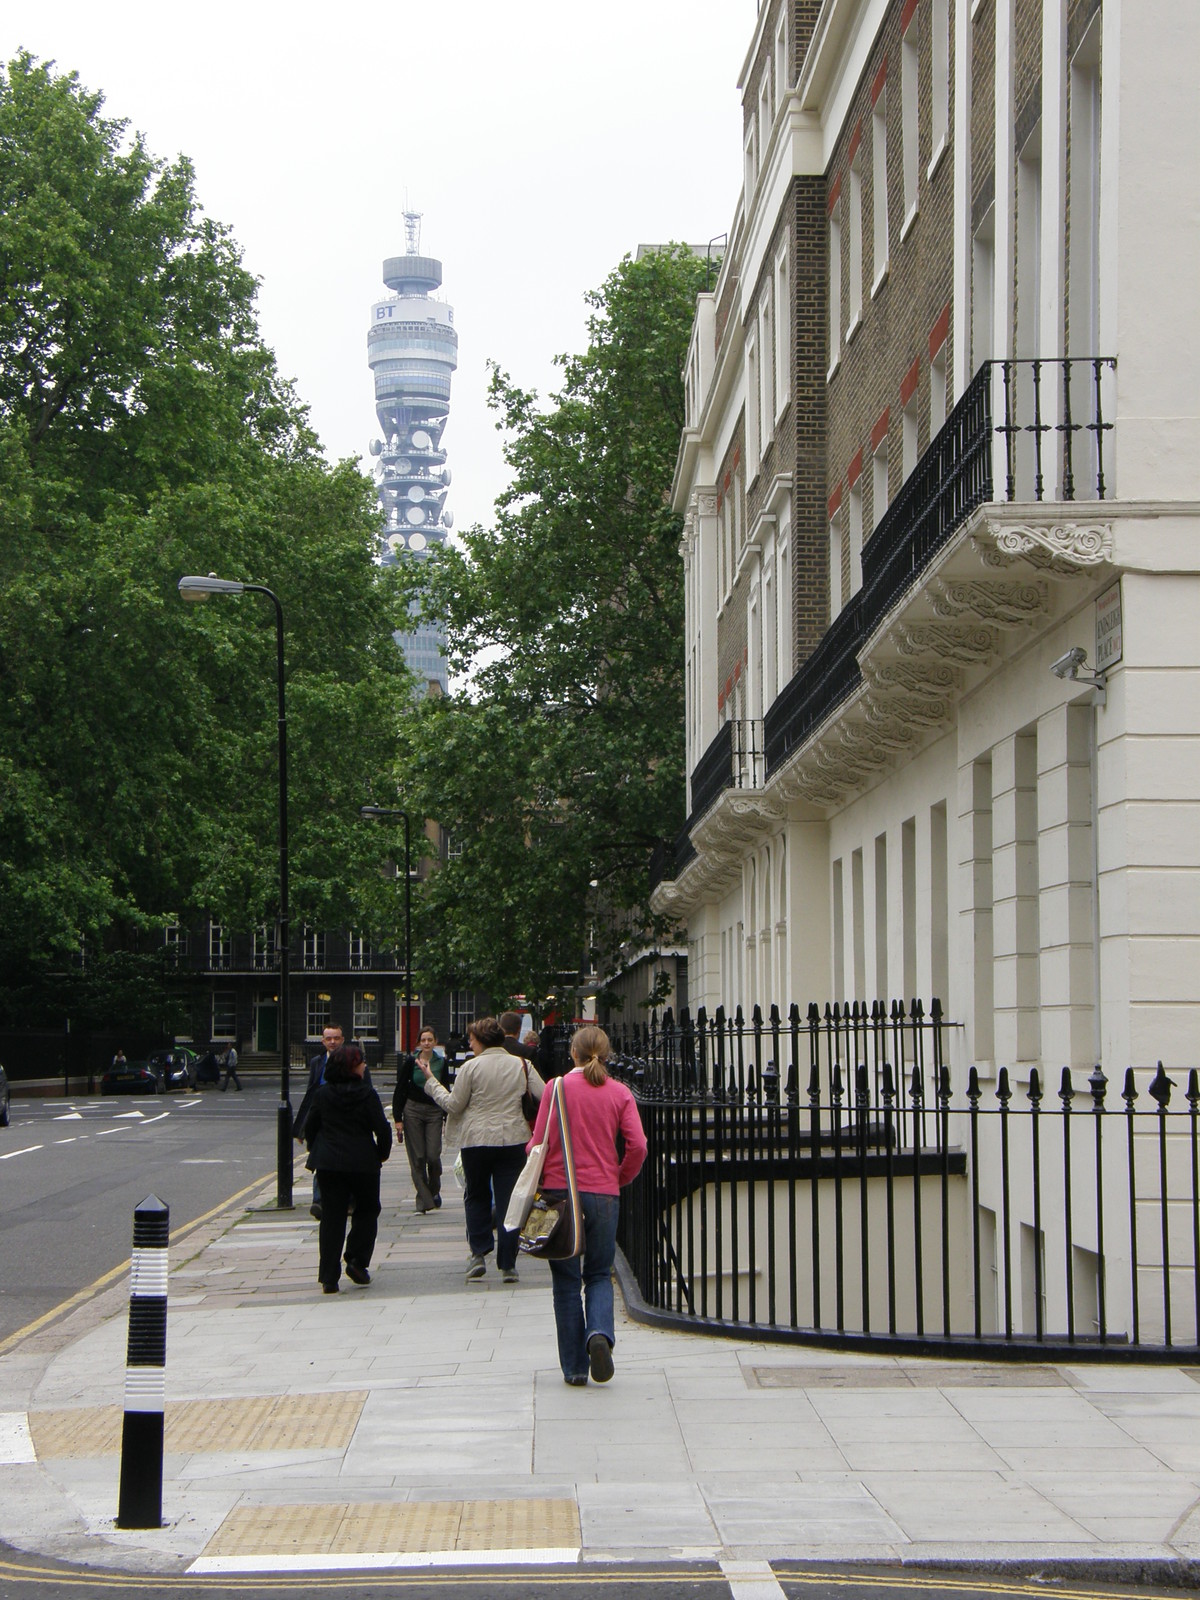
<point x="487" y="1123"/>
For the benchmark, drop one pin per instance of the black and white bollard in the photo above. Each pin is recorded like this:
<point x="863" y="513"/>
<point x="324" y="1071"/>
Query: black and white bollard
<point x="145" y="1369"/>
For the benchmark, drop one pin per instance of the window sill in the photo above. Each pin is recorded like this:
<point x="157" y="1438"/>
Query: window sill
<point x="854" y="326"/>
<point x="936" y="161"/>
<point x="880" y="280"/>
<point x="909" y="222"/>
<point x="837" y="361"/>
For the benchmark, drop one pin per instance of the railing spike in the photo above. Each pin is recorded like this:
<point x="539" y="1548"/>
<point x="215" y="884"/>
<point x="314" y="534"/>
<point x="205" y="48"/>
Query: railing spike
<point x="1160" y="1088"/>
<point x="1129" y="1093"/>
<point x="1066" y="1089"/>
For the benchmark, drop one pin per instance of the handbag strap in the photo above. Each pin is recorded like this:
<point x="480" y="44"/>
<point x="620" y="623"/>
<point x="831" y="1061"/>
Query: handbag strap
<point x="564" y="1133"/>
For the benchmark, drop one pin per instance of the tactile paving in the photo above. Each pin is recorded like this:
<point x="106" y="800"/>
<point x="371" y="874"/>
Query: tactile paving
<point x="403" y="1527"/>
<point x="257" y="1422"/>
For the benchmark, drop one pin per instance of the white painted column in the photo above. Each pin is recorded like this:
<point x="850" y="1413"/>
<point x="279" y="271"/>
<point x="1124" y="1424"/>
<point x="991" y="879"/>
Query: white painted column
<point x="1015" y="932"/>
<point x="971" y="955"/>
<point x="1065" y="895"/>
<point x="708" y="600"/>
<point x="960" y="154"/>
<point x="808" y="913"/>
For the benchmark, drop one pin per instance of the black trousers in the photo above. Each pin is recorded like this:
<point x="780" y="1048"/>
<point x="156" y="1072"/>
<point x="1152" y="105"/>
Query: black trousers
<point x="338" y="1189"/>
<point x="491" y="1170"/>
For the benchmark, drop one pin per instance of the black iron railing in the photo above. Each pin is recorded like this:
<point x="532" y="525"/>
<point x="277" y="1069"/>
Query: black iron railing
<point x="1076" y="391"/>
<point x="825" y="1178"/>
<point x="733" y="760"/>
<point x="952" y="478"/>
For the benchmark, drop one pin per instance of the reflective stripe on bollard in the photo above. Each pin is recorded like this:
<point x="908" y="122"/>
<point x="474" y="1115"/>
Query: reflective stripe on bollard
<point x="145" y="1369"/>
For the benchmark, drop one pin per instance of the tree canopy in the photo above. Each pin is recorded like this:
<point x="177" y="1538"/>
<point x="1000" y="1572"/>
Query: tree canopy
<point x="145" y="432"/>
<point x="560" y="763"/>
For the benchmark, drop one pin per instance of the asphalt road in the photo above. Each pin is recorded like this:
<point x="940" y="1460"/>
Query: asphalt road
<point x="72" y="1171"/>
<point x="23" y="1578"/>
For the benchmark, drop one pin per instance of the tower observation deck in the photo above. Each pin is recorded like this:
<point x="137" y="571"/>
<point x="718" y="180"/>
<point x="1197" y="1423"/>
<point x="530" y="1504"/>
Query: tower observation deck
<point x="412" y="350"/>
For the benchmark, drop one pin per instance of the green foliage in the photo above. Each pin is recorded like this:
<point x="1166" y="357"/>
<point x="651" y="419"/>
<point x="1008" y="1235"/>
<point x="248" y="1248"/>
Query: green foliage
<point x="561" y="765"/>
<point x="145" y="433"/>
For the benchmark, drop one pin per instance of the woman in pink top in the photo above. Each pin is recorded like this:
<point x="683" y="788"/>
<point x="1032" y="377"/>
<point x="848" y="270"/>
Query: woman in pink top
<point x="598" y="1109"/>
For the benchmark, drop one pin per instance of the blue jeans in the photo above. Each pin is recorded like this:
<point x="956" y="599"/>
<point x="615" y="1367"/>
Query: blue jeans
<point x="583" y="1291"/>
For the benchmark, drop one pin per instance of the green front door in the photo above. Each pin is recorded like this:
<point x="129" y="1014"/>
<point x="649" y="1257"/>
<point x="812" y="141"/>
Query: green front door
<point x="266" y="1026"/>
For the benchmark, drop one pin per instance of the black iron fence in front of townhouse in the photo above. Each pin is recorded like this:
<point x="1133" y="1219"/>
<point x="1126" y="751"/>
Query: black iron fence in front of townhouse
<point x="835" y="1178"/>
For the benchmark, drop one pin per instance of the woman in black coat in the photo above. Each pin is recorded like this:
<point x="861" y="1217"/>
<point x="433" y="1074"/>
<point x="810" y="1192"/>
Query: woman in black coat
<point x="348" y="1139"/>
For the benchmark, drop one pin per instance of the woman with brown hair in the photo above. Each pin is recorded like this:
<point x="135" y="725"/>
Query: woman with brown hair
<point x="487" y="1123"/>
<point x="598" y="1110"/>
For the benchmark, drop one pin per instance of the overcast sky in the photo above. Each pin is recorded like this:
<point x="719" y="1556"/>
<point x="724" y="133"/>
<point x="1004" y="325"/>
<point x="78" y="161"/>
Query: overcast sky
<point x="540" y="139"/>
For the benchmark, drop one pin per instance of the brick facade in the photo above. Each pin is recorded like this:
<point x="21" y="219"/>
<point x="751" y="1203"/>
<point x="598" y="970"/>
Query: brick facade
<point x="892" y="344"/>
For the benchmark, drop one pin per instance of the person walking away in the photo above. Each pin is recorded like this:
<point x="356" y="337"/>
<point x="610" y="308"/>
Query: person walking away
<point x="487" y="1122"/>
<point x="332" y="1038"/>
<point x="418" y="1121"/>
<point x="349" y="1139"/>
<point x="231" y="1066"/>
<point x="599" y="1110"/>
<point x="510" y="1021"/>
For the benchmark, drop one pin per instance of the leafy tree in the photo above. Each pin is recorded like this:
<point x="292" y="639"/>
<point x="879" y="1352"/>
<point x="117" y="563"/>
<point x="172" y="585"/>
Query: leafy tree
<point x="145" y="432"/>
<point x="560" y="764"/>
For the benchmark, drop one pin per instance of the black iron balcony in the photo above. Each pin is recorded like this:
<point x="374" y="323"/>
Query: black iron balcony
<point x="734" y="760"/>
<point x="951" y="480"/>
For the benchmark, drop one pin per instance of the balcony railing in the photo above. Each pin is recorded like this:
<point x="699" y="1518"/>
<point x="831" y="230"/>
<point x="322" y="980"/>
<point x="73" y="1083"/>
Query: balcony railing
<point x="1069" y="388"/>
<point x="952" y="478"/>
<point x="734" y="760"/>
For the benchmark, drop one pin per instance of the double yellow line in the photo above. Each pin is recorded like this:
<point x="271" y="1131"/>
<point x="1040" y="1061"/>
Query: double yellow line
<point x="82" y="1296"/>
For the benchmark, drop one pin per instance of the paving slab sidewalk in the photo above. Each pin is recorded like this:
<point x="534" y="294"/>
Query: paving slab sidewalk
<point x="423" y="1421"/>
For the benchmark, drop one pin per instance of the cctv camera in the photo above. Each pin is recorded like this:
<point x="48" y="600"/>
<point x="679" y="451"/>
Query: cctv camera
<point x="1068" y="666"/>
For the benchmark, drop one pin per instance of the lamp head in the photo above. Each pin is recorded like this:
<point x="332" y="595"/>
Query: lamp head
<point x="198" y="588"/>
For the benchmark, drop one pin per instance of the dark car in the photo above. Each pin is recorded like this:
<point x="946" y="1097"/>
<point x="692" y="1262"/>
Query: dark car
<point x="176" y="1068"/>
<point x="131" y="1077"/>
<point x="3" y="1098"/>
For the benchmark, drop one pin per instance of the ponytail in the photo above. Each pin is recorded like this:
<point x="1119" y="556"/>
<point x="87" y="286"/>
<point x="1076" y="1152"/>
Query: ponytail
<point x="590" y="1050"/>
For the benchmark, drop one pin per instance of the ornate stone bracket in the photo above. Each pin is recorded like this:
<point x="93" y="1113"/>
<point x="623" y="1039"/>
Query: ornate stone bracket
<point x="931" y="680"/>
<point x="1009" y="605"/>
<point x="1058" y="546"/>
<point x="949" y="640"/>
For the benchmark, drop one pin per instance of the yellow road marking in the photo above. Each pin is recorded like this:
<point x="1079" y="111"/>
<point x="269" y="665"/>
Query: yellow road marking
<point x="83" y="1295"/>
<point x="496" y="1581"/>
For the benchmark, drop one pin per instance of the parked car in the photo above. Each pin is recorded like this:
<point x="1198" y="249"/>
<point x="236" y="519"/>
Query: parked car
<point x="176" y="1067"/>
<point x="3" y="1098"/>
<point x="131" y="1077"/>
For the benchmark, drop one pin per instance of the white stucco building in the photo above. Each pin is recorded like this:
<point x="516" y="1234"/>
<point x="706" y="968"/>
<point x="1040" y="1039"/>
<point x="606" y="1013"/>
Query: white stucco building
<point x="943" y="431"/>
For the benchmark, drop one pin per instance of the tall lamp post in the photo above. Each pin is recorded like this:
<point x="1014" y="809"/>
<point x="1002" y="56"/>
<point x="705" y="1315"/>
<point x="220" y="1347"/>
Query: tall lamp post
<point x="198" y="588"/>
<point x="386" y="814"/>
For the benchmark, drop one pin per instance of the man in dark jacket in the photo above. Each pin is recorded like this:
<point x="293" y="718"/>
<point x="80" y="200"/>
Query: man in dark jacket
<point x="349" y="1139"/>
<point x="331" y="1039"/>
<point x="510" y="1021"/>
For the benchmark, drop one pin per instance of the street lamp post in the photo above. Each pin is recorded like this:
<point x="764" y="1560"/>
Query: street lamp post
<point x="199" y="588"/>
<point x="386" y="814"/>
